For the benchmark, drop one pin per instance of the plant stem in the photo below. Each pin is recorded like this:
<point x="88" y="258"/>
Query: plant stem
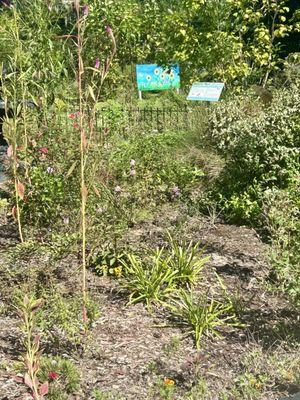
<point x="82" y="161"/>
<point x="14" y="133"/>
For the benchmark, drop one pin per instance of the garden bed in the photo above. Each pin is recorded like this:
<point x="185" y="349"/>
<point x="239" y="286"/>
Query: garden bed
<point x="129" y="353"/>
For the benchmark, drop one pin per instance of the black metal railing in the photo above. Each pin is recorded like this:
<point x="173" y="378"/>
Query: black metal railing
<point x="145" y="120"/>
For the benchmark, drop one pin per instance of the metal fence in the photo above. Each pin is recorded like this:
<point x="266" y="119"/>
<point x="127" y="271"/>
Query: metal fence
<point x="159" y="119"/>
<point x="144" y="120"/>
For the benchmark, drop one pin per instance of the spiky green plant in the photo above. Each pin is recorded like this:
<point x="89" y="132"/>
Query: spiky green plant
<point x="201" y="316"/>
<point x="188" y="260"/>
<point x="151" y="281"/>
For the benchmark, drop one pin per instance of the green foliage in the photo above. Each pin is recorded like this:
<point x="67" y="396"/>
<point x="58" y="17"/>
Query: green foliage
<point x="107" y="262"/>
<point x="160" y="274"/>
<point x="47" y="196"/>
<point x="260" y="148"/>
<point x="107" y="395"/>
<point x="152" y="282"/>
<point x="160" y="164"/>
<point x="162" y="390"/>
<point x="282" y="210"/>
<point x="63" y="376"/>
<point x="33" y="50"/>
<point x="261" y="371"/>
<point x="201" y="316"/>
<point x="61" y="317"/>
<point x="229" y="40"/>
<point x="259" y="182"/>
<point x="187" y="260"/>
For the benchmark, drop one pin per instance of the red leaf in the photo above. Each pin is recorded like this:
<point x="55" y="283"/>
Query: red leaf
<point x="28" y="381"/>
<point x="18" y="378"/>
<point x="14" y="212"/>
<point x="44" y="389"/>
<point x="52" y="375"/>
<point x="21" y="190"/>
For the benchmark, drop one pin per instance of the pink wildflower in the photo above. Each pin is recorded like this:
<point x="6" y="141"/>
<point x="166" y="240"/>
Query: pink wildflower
<point x="44" y="150"/>
<point x="97" y="63"/>
<point x="85" y="9"/>
<point x="52" y="375"/>
<point x="108" y="29"/>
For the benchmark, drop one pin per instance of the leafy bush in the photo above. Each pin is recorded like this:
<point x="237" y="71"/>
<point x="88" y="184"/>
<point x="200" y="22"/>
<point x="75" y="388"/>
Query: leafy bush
<point x="259" y="183"/>
<point x="260" y="148"/>
<point x="47" y="196"/>
<point x="282" y="211"/>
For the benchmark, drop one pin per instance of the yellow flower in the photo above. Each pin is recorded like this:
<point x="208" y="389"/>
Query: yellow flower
<point x="118" y="272"/>
<point x="169" y="382"/>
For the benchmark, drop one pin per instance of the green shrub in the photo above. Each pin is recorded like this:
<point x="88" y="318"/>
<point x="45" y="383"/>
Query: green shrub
<point x="282" y="210"/>
<point x="260" y="148"/>
<point x="47" y="196"/>
<point x="259" y="183"/>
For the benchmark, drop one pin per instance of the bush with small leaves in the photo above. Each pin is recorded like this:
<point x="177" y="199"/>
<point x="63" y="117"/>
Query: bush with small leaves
<point x="260" y="148"/>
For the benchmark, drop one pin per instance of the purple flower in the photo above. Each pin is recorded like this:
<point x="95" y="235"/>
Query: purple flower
<point x="108" y="29"/>
<point x="97" y="63"/>
<point x="175" y="192"/>
<point x="50" y="170"/>
<point x="118" y="189"/>
<point x="85" y="9"/>
<point x="132" y="163"/>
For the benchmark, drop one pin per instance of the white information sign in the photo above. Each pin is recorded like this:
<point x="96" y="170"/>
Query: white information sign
<point x="206" y="91"/>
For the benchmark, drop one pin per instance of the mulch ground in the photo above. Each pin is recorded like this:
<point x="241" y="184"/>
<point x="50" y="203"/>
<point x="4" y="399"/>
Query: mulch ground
<point x="128" y="353"/>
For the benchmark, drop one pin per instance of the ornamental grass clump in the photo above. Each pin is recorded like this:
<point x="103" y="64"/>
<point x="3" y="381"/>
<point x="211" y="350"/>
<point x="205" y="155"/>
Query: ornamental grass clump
<point x="151" y="281"/>
<point x="162" y="272"/>
<point x="201" y="316"/>
<point x="187" y="260"/>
